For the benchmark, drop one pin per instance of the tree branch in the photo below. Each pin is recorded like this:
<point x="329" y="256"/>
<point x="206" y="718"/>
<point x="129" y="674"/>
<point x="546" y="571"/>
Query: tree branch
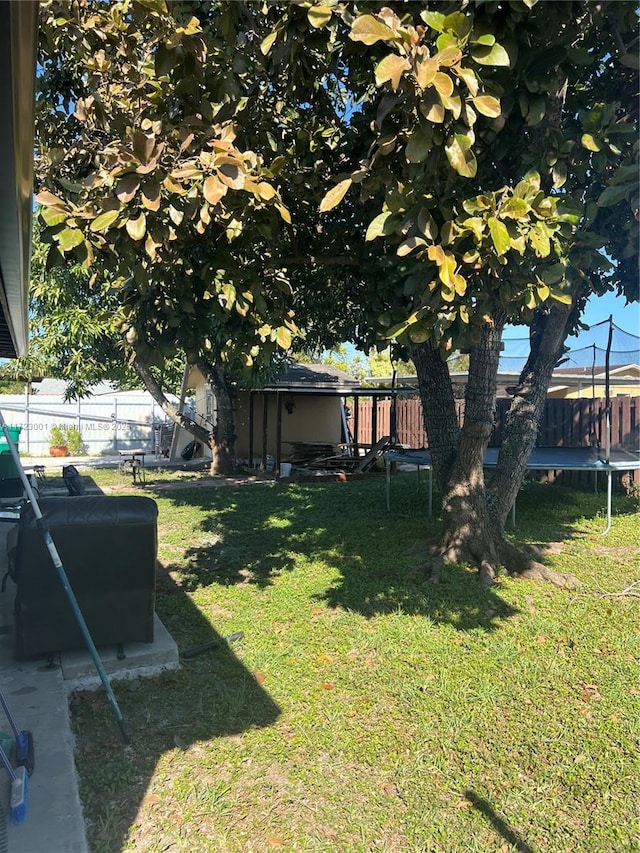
<point x="153" y="387"/>
<point x="322" y="260"/>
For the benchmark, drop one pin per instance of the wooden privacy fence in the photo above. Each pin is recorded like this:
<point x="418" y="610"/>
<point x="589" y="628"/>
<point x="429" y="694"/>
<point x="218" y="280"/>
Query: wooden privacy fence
<point x="564" y="423"/>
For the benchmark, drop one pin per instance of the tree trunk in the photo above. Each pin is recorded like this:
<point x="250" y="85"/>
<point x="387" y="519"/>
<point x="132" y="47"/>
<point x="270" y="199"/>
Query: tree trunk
<point x="223" y="436"/>
<point x="547" y="335"/>
<point x="474" y="515"/>
<point x="167" y="406"/>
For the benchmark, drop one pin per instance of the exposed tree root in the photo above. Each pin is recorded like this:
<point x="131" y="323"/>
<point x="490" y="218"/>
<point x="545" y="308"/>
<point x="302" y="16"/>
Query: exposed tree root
<point x="519" y="562"/>
<point x="538" y="572"/>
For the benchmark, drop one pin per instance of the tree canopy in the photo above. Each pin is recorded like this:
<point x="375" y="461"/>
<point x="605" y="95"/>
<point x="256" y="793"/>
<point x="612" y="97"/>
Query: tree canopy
<point x="177" y="140"/>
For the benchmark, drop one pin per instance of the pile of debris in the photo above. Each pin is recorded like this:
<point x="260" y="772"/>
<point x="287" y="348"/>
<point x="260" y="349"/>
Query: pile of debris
<point x="322" y="457"/>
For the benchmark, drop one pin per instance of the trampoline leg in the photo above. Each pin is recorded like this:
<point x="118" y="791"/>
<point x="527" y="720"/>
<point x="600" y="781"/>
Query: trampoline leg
<point x="608" y="527"/>
<point x="430" y="491"/>
<point x="387" y="466"/>
<point x="513" y="514"/>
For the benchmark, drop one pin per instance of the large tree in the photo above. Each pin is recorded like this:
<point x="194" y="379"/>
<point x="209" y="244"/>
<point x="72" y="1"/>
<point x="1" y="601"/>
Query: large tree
<point x="500" y="146"/>
<point x="142" y="183"/>
<point x="422" y="172"/>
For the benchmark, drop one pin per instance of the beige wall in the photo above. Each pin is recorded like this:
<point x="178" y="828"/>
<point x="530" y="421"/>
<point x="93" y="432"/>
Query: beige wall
<point x="315" y="417"/>
<point x="584" y="390"/>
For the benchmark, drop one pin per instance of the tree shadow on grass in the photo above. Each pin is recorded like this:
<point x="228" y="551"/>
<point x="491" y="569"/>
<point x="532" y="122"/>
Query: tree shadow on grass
<point x="211" y="696"/>
<point x="252" y="535"/>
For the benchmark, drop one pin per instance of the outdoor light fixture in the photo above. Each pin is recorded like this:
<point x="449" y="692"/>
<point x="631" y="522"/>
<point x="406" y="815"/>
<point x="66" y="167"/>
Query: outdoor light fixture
<point x="289" y="406"/>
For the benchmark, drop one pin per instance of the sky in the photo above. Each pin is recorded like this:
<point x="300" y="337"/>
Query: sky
<point x="600" y="308"/>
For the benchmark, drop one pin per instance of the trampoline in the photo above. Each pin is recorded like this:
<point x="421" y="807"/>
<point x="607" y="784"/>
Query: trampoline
<point x="541" y="459"/>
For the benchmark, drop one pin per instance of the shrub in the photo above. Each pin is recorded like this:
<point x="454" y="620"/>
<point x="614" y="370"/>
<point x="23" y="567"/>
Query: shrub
<point x="69" y="437"/>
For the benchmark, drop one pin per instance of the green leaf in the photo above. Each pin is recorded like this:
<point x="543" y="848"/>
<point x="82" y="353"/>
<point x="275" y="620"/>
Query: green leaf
<point x="53" y="216"/>
<point x="418" y="146"/>
<point x="552" y="275"/>
<point x="391" y="68"/>
<point x="499" y="235"/>
<point x="460" y="284"/>
<point x="69" y="239"/>
<point x="431" y="107"/>
<point x="491" y="55"/>
<point x="104" y="220"/>
<point x="559" y="296"/>
<point x="426" y="70"/>
<point x="487" y="105"/>
<point x="559" y="174"/>
<point x="376" y="226"/>
<point x="143" y="145"/>
<point x="284" y="213"/>
<point x="453" y="104"/>
<point x="165" y="59"/>
<point x="443" y="84"/>
<point x="265" y="191"/>
<point x="267" y="43"/>
<point x="370" y="30"/>
<point x="434" y="19"/>
<point x="426" y="224"/>
<point x="127" y="187"/>
<point x="543" y="292"/>
<point x="447" y="270"/>
<point x="47" y="199"/>
<point x="458" y="23"/>
<point x="589" y="142"/>
<point x="283" y="337"/>
<point x="419" y="334"/>
<point x="514" y="208"/>
<point x="175" y="215"/>
<point x="535" y="109"/>
<point x="612" y="195"/>
<point x="475" y="224"/>
<point x="540" y="242"/>
<point x="319" y="16"/>
<point x="335" y="195"/>
<point x="136" y="228"/>
<point x="449" y="56"/>
<point x="470" y="79"/>
<point x="408" y="246"/>
<point x="460" y="156"/>
<point x="486" y="40"/>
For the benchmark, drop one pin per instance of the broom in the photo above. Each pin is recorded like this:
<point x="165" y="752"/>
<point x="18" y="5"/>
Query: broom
<point x="18" y="798"/>
<point x="24" y="740"/>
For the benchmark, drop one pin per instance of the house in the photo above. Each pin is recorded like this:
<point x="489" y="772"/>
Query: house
<point x="304" y="404"/>
<point x="578" y="383"/>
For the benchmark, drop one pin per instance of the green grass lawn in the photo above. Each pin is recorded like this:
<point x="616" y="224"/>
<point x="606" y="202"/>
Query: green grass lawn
<point x="366" y="709"/>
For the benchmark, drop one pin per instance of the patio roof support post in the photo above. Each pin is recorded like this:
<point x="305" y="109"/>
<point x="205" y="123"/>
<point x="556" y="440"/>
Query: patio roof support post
<point x="374" y="419"/>
<point x="251" y="425"/>
<point x="265" y="422"/>
<point x="278" y="432"/>
<point x="393" y="426"/>
<point x="356" y="424"/>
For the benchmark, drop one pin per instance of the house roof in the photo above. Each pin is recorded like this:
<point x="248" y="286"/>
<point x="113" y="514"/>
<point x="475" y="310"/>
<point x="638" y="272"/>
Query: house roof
<point x="57" y="388"/>
<point x="313" y="378"/>
<point x="600" y="371"/>
<point x="18" y="44"/>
